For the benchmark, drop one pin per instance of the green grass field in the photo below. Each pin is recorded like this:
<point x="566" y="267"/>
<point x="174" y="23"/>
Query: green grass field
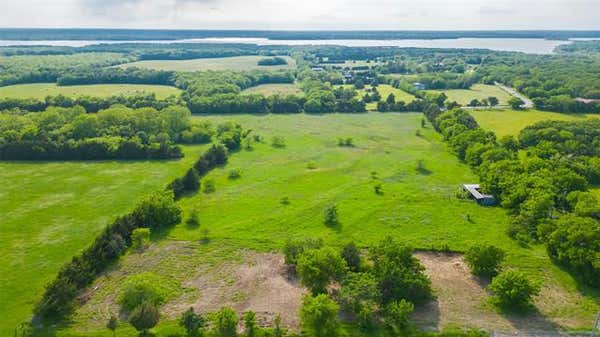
<point x="477" y="91"/>
<point x="52" y="210"/>
<point x="237" y="63"/>
<point x="274" y="89"/>
<point x="418" y="208"/>
<point x="41" y="90"/>
<point x="511" y="122"/>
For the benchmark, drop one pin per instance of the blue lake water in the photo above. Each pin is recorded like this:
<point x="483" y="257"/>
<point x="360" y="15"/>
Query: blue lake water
<point x="530" y="46"/>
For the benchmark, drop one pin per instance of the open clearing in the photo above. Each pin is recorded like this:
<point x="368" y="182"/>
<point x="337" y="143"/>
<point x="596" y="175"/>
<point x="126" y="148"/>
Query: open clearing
<point x="385" y="90"/>
<point x="246" y="222"/>
<point x="41" y="90"/>
<point x="52" y="210"/>
<point x="274" y="89"/>
<point x="477" y="91"/>
<point x="237" y="63"/>
<point x="511" y="122"/>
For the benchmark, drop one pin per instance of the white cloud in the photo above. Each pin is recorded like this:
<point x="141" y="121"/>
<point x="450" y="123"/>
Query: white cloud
<point x="304" y="14"/>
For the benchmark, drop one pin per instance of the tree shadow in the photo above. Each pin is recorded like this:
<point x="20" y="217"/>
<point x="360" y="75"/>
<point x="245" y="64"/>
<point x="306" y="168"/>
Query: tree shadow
<point x="529" y="319"/>
<point x="423" y="171"/>
<point x="427" y="316"/>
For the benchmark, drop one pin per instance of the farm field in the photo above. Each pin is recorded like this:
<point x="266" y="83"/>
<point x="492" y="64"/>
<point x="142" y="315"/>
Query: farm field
<point x="274" y="89"/>
<point x="477" y="91"/>
<point x="244" y="223"/>
<point x="52" y="210"/>
<point x="41" y="90"/>
<point x="511" y="122"/>
<point x="237" y="63"/>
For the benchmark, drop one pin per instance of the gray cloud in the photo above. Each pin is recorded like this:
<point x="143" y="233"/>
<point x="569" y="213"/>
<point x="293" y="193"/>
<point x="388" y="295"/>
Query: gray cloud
<point x="305" y="14"/>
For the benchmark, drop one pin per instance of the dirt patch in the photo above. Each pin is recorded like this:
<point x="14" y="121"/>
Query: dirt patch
<point x="462" y="300"/>
<point x="261" y="284"/>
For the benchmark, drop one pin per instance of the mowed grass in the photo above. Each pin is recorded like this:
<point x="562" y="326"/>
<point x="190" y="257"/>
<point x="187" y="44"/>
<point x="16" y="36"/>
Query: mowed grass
<point x="418" y="208"/>
<point x="237" y="63"/>
<point x="477" y="91"/>
<point x="50" y="211"/>
<point x="42" y="90"/>
<point x="511" y="122"/>
<point x="274" y="89"/>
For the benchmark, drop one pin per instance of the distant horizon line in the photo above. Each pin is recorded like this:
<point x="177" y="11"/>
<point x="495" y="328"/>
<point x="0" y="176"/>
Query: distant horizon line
<point x="595" y="30"/>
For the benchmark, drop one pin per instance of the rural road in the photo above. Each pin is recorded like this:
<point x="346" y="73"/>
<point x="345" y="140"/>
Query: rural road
<point x="528" y="103"/>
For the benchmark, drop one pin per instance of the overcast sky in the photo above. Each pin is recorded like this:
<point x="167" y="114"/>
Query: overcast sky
<point x="304" y="14"/>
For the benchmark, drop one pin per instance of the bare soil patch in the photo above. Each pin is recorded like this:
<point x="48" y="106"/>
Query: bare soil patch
<point x="260" y="283"/>
<point x="462" y="300"/>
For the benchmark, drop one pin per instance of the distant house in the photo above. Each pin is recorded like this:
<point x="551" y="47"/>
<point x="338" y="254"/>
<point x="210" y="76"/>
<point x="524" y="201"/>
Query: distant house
<point x="317" y="69"/>
<point x="482" y="199"/>
<point x="419" y="86"/>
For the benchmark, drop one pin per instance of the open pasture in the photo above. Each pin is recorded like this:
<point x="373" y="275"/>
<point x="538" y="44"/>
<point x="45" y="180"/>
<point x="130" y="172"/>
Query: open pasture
<point x="237" y="63"/>
<point x="52" y="210"/>
<point x="274" y="89"/>
<point x="282" y="193"/>
<point x="477" y="91"/>
<point x="42" y="90"/>
<point x="511" y="122"/>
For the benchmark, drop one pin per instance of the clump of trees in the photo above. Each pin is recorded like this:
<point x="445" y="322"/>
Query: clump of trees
<point x="115" y="133"/>
<point x="272" y="61"/>
<point x="485" y="260"/>
<point x="384" y="289"/>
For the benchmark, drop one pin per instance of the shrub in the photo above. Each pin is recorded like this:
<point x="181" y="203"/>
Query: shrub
<point x="193" y="323"/>
<point x="140" y="237"/>
<point x="485" y="260"/>
<point x="319" y="316"/>
<point x="250" y="327"/>
<point x="112" y="324"/>
<point x="513" y="289"/>
<point x="351" y="255"/>
<point x="209" y="186"/>
<point x="294" y="248"/>
<point x="145" y="287"/>
<point x="311" y="165"/>
<point x="378" y="189"/>
<point x="193" y="220"/>
<point x="144" y="317"/>
<point x="331" y="216"/>
<point x="278" y="331"/>
<point x="317" y="268"/>
<point x="397" y="316"/>
<point x="399" y="274"/>
<point x="225" y="321"/>
<point x="235" y="174"/>
<point x="158" y="210"/>
<point x="359" y="294"/>
<point x="278" y="142"/>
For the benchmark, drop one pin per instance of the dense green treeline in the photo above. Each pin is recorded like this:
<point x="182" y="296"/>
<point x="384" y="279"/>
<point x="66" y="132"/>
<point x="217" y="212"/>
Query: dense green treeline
<point x="546" y="189"/>
<point x="115" y="133"/>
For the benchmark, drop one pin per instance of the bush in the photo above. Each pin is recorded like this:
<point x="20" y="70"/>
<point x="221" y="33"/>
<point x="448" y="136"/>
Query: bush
<point x="192" y="323"/>
<point x="513" y="290"/>
<point x="191" y="180"/>
<point x="331" y="216"/>
<point x="193" y="221"/>
<point x="250" y="327"/>
<point x="397" y="316"/>
<point x="294" y="248"/>
<point x="209" y="186"/>
<point x="351" y="255"/>
<point x="225" y="321"/>
<point x="399" y="274"/>
<point x="278" y="142"/>
<point x="235" y="174"/>
<point x="484" y="260"/>
<point x="159" y="210"/>
<point x="144" y="317"/>
<point x="319" y="316"/>
<point x="145" y="287"/>
<point x="317" y="268"/>
<point x="140" y="238"/>
<point x="359" y="295"/>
